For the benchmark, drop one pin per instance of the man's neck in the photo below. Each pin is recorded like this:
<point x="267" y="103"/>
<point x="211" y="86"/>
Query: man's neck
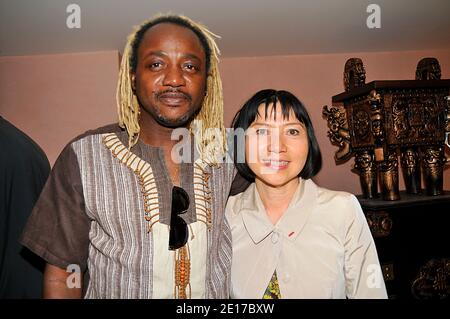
<point x="154" y="134"/>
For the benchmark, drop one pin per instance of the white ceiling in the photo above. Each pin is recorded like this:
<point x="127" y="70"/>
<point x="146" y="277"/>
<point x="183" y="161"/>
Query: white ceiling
<point x="247" y="27"/>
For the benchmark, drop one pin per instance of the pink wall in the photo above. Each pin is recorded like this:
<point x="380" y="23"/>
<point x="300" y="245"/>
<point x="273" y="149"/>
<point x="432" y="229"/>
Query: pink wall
<point x="315" y="79"/>
<point x="54" y="98"/>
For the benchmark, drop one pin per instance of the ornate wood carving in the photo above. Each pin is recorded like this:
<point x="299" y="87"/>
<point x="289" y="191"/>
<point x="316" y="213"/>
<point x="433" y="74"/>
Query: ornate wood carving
<point x="433" y="167"/>
<point x="385" y="118"/>
<point x="367" y="170"/>
<point x="380" y="223"/>
<point x="410" y="162"/>
<point x="389" y="176"/>
<point x="354" y="74"/>
<point x="433" y="281"/>
<point x="428" y="69"/>
<point x="447" y="121"/>
<point x="338" y="132"/>
<point x="360" y="124"/>
<point x="416" y="118"/>
<point x="388" y="271"/>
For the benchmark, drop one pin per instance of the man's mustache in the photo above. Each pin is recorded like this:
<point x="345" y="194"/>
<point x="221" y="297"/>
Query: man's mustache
<point x="173" y="94"/>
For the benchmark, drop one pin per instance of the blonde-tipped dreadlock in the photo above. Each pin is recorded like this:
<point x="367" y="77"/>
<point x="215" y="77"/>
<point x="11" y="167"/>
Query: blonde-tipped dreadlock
<point x="207" y="126"/>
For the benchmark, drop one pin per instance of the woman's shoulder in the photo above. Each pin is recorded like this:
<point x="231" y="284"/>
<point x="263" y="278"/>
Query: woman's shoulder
<point x="235" y="202"/>
<point x="337" y="198"/>
<point x="341" y="206"/>
<point x="235" y="199"/>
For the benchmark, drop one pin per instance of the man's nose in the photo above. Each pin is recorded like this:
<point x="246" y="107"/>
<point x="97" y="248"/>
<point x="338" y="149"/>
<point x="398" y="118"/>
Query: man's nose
<point x="174" y="77"/>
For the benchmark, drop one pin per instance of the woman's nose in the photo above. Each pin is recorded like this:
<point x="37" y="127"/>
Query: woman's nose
<point x="276" y="143"/>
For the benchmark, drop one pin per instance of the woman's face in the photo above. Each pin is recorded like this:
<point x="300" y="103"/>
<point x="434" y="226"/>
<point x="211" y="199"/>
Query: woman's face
<point x="276" y="149"/>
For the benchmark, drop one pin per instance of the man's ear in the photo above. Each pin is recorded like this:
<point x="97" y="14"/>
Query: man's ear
<point x="133" y="82"/>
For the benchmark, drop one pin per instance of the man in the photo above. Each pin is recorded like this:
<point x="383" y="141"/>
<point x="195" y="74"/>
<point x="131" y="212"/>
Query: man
<point x="24" y="168"/>
<point x="120" y="206"/>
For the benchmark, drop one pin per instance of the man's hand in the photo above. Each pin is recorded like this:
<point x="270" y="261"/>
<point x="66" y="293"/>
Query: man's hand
<point x="55" y="284"/>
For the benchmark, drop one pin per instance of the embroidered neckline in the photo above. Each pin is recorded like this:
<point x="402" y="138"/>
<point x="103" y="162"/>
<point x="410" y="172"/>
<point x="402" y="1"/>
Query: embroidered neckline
<point x="149" y="190"/>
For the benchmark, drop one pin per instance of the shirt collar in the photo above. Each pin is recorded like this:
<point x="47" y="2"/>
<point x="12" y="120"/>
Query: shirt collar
<point x="290" y="225"/>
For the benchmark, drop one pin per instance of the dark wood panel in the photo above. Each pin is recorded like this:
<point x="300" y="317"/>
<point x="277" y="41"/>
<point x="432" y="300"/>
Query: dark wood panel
<point x="412" y="236"/>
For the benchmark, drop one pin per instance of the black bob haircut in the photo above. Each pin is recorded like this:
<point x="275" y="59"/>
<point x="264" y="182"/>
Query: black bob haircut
<point x="248" y="114"/>
<point x="167" y="19"/>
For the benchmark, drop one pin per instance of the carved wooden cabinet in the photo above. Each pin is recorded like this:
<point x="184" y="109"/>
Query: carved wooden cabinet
<point x="412" y="236"/>
<point x="388" y="125"/>
<point x="383" y="121"/>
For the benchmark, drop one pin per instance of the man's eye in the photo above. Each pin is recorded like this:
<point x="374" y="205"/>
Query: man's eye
<point x="191" y="67"/>
<point x="155" y="65"/>
<point x="262" y="131"/>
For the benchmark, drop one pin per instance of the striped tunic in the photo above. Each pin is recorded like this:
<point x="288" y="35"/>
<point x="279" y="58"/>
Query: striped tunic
<point x="91" y="214"/>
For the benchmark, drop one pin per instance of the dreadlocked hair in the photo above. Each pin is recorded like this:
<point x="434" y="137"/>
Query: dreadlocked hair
<point x="207" y="127"/>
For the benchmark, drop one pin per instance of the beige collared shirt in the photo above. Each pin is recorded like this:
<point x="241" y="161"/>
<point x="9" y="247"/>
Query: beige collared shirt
<point x="320" y="248"/>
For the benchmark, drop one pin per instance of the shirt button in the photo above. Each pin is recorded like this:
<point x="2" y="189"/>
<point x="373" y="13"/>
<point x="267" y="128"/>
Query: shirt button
<point x="286" y="278"/>
<point x="275" y="237"/>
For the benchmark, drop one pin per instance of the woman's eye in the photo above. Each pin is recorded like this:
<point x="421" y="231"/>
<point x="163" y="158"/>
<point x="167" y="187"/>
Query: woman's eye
<point x="293" y="132"/>
<point x="262" y="131"/>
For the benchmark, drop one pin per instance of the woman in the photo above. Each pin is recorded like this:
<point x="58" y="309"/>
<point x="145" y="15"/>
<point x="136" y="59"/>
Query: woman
<point x="292" y="238"/>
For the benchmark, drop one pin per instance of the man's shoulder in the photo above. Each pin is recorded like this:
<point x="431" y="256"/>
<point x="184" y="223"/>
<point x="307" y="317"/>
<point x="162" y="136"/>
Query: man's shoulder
<point x="110" y="128"/>
<point x="68" y="152"/>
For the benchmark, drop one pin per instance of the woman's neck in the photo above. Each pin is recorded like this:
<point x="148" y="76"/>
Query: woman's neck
<point x="276" y="199"/>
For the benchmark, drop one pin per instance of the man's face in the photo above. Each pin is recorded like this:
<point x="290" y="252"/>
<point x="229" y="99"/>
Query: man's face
<point x="170" y="78"/>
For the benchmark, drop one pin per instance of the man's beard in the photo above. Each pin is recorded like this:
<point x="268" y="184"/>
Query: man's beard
<point x="182" y="121"/>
